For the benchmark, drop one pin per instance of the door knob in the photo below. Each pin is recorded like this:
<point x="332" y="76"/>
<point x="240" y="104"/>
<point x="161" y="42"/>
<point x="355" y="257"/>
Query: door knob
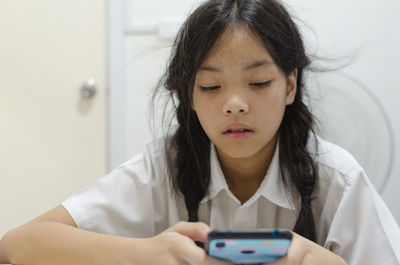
<point x="88" y="88"/>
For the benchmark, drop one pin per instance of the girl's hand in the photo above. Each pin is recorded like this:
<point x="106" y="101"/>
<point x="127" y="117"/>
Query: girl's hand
<point x="176" y="246"/>
<point x="305" y="252"/>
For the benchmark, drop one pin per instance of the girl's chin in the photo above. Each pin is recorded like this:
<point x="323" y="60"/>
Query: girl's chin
<point x="237" y="152"/>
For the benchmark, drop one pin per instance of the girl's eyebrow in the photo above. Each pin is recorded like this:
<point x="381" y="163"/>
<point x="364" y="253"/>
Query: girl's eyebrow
<point x="258" y="63"/>
<point x="255" y="64"/>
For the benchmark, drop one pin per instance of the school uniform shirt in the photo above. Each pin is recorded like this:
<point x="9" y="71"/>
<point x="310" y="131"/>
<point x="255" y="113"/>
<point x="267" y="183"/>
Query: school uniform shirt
<point x="135" y="200"/>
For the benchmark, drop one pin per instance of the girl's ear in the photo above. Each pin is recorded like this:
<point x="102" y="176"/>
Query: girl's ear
<point x="292" y="87"/>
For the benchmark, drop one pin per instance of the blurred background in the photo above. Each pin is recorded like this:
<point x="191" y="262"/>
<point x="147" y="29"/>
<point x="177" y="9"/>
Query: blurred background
<point x="76" y="78"/>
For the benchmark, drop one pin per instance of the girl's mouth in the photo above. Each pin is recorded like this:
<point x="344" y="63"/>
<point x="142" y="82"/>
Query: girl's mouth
<point x="238" y="135"/>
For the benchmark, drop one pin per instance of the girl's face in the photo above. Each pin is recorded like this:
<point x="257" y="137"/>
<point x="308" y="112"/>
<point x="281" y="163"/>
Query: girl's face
<point x="240" y="87"/>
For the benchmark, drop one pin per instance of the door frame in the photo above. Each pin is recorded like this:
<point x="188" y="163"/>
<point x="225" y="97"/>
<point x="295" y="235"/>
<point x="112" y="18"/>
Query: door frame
<point x="115" y="72"/>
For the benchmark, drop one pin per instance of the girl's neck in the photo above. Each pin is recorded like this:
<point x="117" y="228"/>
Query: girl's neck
<point x="244" y="175"/>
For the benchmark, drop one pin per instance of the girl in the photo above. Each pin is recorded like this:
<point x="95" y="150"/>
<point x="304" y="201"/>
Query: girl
<point x="242" y="156"/>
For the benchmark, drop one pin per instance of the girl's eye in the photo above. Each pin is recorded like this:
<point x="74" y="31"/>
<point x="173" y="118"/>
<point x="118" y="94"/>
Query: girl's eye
<point x="261" y="84"/>
<point x="209" y="88"/>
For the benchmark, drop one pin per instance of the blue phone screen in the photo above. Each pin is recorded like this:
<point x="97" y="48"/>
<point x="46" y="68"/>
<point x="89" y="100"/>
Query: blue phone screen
<point x="248" y="251"/>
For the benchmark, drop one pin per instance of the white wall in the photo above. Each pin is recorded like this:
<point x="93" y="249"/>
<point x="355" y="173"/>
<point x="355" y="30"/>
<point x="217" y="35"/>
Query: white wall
<point x="148" y="32"/>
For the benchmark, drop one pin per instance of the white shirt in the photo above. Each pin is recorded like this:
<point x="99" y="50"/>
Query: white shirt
<point x="352" y="221"/>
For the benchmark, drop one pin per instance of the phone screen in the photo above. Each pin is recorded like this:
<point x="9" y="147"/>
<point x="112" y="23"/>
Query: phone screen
<point x="249" y="246"/>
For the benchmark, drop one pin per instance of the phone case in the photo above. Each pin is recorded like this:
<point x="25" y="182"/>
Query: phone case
<point x="248" y="246"/>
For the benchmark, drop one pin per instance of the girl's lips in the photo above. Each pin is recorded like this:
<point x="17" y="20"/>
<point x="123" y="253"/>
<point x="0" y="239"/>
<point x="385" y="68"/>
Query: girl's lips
<point x="237" y="127"/>
<point x="238" y="136"/>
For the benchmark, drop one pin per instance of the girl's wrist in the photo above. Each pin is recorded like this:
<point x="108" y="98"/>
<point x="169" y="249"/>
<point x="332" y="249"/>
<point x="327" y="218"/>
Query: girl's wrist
<point x="131" y="251"/>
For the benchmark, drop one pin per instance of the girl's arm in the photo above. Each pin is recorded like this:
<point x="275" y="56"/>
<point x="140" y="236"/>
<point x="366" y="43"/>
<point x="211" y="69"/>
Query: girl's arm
<point x="57" y="243"/>
<point x="54" y="239"/>
<point x="305" y="252"/>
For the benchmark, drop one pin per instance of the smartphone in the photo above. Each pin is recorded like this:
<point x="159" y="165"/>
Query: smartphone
<point x="257" y="246"/>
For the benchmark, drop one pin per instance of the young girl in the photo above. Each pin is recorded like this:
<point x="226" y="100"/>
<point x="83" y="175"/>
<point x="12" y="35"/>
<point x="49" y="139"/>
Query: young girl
<point x="242" y="156"/>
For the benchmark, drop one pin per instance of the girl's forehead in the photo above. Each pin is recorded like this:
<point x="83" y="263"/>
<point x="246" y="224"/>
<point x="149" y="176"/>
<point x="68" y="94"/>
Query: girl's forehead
<point x="237" y="46"/>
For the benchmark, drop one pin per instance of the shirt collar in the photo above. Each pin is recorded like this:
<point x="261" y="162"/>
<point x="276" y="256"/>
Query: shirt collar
<point x="272" y="187"/>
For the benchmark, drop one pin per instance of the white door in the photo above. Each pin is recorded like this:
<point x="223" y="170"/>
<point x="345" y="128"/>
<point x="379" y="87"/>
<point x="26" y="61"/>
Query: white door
<point x="52" y="140"/>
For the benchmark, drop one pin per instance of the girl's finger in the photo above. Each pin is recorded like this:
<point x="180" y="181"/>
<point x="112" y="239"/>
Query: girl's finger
<point x="294" y="255"/>
<point x="196" y="231"/>
<point x="197" y="256"/>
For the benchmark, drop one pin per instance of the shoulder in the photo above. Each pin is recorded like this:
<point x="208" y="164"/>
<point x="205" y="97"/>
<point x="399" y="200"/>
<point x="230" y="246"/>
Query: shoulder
<point x="334" y="161"/>
<point x="128" y="200"/>
<point x="340" y="179"/>
<point x="346" y="204"/>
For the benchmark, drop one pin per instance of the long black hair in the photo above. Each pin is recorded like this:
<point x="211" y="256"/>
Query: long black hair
<point x="188" y="149"/>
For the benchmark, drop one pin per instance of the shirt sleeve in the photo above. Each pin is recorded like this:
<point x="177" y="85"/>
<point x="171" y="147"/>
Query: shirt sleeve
<point x="125" y="202"/>
<point x="363" y="231"/>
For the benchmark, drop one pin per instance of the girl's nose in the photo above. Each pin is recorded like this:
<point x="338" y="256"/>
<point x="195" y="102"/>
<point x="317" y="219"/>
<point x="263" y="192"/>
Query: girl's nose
<point x="235" y="105"/>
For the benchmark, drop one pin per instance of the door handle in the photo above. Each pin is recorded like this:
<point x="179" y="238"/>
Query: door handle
<point x="88" y="88"/>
